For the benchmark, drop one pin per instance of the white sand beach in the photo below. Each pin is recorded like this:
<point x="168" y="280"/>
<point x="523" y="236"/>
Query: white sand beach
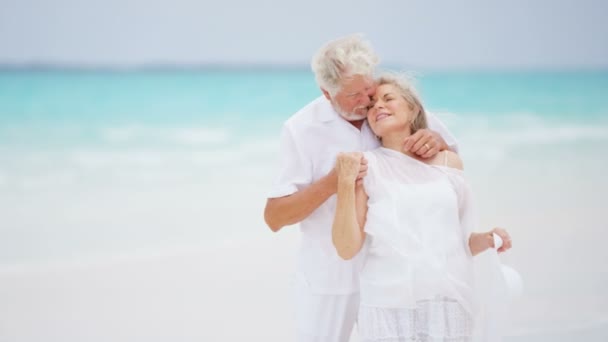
<point x="233" y="291"/>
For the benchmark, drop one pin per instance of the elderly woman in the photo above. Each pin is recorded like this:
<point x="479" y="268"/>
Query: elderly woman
<point x="413" y="218"/>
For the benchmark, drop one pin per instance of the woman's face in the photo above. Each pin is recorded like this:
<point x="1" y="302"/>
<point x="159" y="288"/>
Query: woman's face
<point x="390" y="111"/>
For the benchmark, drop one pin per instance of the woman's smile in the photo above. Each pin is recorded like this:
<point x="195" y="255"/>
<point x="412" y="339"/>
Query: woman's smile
<point x="382" y="115"/>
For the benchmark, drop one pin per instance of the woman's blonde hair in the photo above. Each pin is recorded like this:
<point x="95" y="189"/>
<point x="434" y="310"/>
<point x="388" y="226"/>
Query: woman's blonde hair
<point x="405" y="85"/>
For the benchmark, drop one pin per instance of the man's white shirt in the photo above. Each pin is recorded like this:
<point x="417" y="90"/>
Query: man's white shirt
<point x="310" y="141"/>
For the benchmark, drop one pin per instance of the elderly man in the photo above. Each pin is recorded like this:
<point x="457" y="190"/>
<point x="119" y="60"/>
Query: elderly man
<point x="326" y="286"/>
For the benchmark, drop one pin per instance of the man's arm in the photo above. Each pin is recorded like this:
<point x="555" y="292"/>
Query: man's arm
<point x="294" y="194"/>
<point x="291" y="209"/>
<point x="437" y="126"/>
<point x="426" y="143"/>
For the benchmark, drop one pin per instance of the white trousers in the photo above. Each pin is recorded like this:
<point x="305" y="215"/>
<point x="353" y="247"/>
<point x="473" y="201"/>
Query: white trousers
<point x="324" y="317"/>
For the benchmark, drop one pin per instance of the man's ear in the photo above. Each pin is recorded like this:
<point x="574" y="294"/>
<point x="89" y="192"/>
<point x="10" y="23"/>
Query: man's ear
<point x="326" y="94"/>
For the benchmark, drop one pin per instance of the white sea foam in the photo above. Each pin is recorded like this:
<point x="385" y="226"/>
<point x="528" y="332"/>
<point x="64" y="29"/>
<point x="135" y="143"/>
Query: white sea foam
<point x="200" y="136"/>
<point x="153" y="154"/>
<point x="95" y="157"/>
<point x="197" y="136"/>
<point x="483" y="137"/>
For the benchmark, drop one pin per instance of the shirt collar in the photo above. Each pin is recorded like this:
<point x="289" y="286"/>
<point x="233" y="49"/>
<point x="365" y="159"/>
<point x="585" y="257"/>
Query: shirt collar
<point x="326" y="112"/>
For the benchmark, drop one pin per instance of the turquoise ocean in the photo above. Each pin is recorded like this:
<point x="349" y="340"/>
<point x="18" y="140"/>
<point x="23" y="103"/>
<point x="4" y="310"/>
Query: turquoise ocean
<point x="95" y="164"/>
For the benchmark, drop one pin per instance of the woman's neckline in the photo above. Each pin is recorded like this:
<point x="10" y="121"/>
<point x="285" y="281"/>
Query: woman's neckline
<point x="400" y="154"/>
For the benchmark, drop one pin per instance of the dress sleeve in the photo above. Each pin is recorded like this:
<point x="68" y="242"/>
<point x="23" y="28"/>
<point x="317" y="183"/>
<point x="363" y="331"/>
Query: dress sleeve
<point x="369" y="179"/>
<point x="466" y="210"/>
<point x="491" y="294"/>
<point x="295" y="170"/>
<point x="438" y="126"/>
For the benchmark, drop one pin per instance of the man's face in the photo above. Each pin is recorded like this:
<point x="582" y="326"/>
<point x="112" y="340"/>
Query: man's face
<point x="354" y="97"/>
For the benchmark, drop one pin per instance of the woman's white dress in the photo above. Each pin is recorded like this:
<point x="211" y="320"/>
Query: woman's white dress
<point x="420" y="281"/>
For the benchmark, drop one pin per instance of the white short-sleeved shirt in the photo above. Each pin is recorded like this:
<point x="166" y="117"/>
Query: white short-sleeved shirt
<point x="310" y="141"/>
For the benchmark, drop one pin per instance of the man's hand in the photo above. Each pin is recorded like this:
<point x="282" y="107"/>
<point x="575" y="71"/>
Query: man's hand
<point x="424" y="143"/>
<point x="362" y="170"/>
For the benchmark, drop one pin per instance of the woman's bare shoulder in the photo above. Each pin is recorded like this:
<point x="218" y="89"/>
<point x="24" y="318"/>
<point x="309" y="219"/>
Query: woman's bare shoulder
<point x="454" y="160"/>
<point x="449" y="159"/>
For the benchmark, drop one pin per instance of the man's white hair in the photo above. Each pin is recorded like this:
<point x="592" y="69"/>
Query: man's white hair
<point x="343" y="58"/>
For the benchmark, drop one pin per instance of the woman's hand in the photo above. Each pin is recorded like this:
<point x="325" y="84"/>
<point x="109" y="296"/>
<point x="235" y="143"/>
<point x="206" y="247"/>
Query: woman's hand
<point x="506" y="239"/>
<point x="350" y="167"/>
<point x="479" y="242"/>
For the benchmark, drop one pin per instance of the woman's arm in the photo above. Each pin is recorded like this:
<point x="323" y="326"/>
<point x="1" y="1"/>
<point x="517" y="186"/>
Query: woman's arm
<point x="480" y="242"/>
<point x="477" y="242"/>
<point x="351" y="207"/>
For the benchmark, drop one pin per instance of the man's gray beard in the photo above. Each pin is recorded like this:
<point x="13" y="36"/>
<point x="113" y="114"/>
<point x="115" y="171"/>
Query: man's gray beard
<point x="349" y="116"/>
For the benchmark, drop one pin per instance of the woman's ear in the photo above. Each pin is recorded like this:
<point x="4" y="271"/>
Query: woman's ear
<point x="415" y="112"/>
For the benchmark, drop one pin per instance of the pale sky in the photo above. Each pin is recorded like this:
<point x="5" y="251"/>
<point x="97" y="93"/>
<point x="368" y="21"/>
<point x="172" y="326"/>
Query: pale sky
<point x="429" y="34"/>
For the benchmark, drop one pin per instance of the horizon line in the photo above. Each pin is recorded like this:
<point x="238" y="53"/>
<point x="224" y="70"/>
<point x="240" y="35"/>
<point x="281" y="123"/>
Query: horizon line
<point x="90" y="67"/>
